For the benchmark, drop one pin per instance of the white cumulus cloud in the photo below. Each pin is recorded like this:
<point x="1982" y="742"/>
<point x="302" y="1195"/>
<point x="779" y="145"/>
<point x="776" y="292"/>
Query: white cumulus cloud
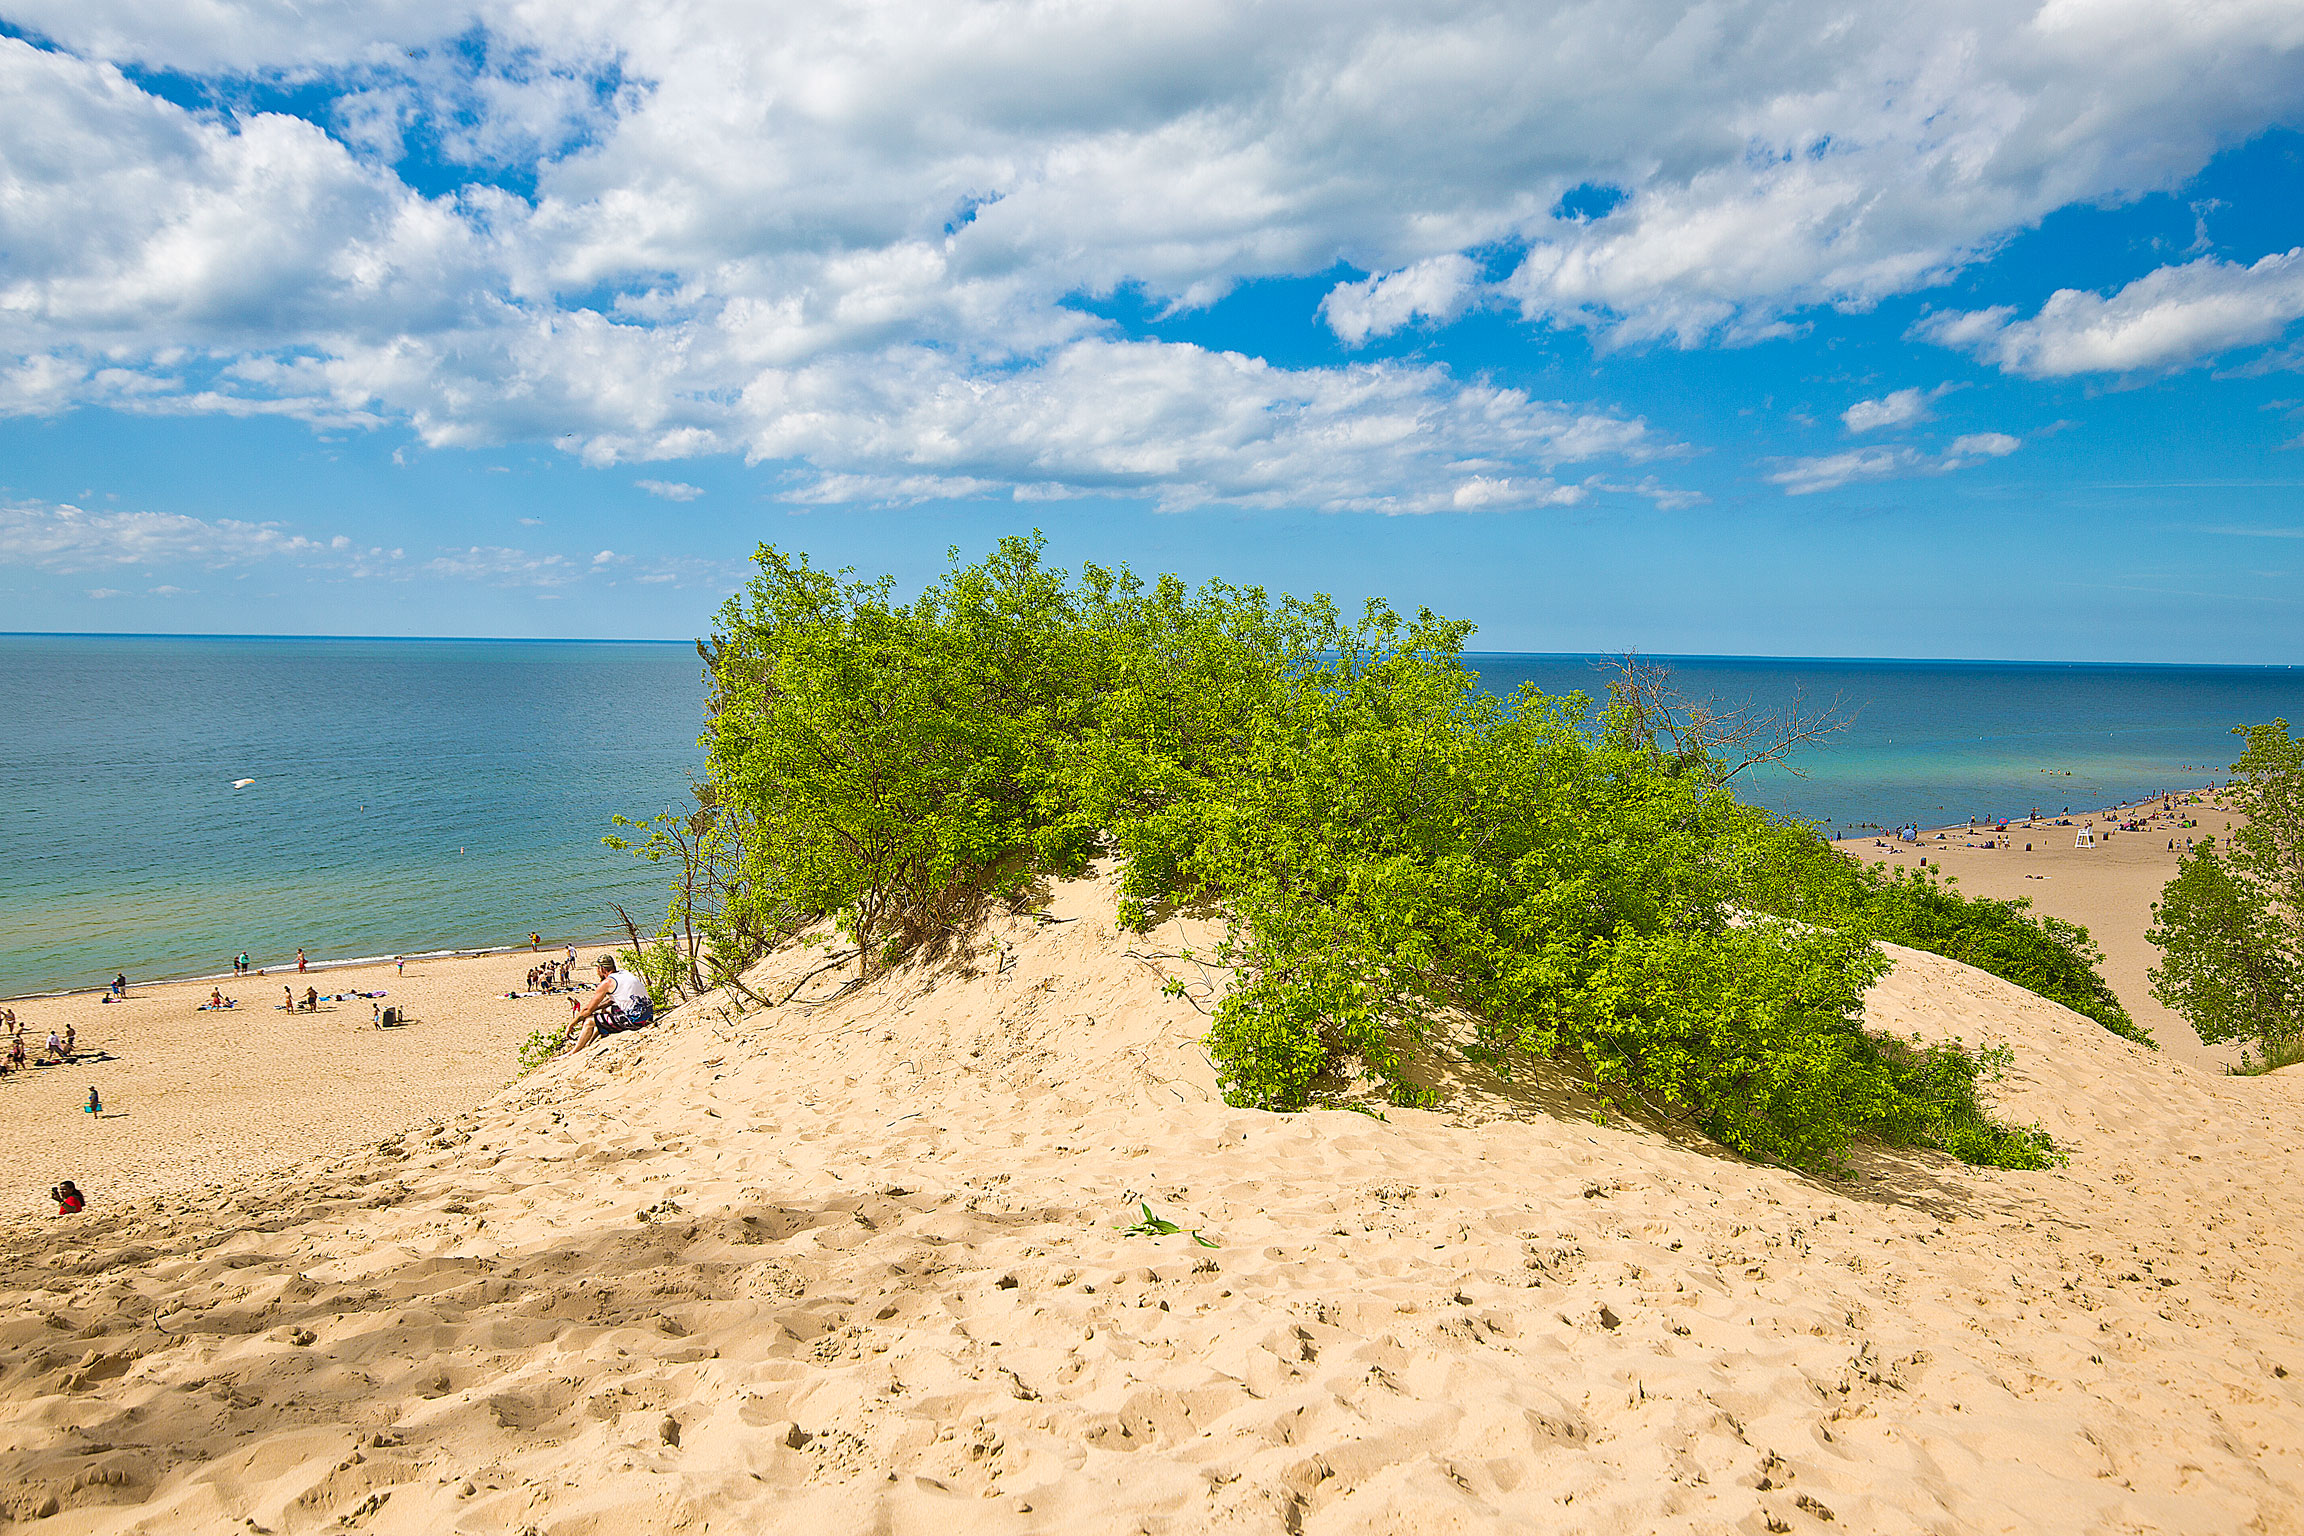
<point x="671" y="490"/>
<point x="1980" y="445"/>
<point x="2169" y="318"/>
<point x="1434" y="289"/>
<point x="1894" y="409"/>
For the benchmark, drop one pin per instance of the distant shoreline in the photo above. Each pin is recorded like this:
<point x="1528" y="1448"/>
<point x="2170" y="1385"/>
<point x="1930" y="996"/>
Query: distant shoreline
<point x="1876" y="833"/>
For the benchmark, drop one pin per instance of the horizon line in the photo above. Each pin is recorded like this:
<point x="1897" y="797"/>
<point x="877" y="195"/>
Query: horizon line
<point x="1598" y="655"/>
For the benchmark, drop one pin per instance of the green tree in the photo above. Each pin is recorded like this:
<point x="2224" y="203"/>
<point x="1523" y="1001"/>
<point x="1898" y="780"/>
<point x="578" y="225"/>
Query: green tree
<point x="2230" y="925"/>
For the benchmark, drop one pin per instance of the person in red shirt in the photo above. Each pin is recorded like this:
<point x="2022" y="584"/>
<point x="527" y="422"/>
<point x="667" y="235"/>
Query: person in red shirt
<point x="68" y="1198"/>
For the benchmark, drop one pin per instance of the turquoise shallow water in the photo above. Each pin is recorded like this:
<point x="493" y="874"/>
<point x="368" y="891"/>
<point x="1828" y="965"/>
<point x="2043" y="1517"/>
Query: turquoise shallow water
<point x="408" y="795"/>
<point x="414" y="795"/>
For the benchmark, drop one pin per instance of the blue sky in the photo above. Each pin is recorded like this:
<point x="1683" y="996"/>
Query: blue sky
<point x="1765" y="328"/>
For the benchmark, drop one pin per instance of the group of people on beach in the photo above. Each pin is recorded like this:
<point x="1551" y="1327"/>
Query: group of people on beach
<point x="60" y="1049"/>
<point x="2144" y="816"/>
<point x="553" y="975"/>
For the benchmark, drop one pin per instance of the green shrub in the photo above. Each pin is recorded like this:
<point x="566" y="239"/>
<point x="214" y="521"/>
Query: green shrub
<point x="1789" y="870"/>
<point x="539" y="1048"/>
<point x="1940" y="1107"/>
<point x="1386" y="841"/>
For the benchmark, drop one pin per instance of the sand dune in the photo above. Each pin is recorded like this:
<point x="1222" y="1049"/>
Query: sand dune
<point x="854" y="1265"/>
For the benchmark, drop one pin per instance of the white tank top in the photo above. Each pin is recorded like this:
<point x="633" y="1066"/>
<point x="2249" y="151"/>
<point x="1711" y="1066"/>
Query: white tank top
<point x="630" y="990"/>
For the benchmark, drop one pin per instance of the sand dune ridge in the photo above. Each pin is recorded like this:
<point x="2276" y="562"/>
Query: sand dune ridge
<point x="858" y="1266"/>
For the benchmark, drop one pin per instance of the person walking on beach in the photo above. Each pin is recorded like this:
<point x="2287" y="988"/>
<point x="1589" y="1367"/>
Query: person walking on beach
<point x="299" y="962"/>
<point x="535" y="942"/>
<point x="619" y="1003"/>
<point x="288" y="998"/>
<point x="95" y="1104"/>
<point x="400" y="964"/>
<point x="120" y="984"/>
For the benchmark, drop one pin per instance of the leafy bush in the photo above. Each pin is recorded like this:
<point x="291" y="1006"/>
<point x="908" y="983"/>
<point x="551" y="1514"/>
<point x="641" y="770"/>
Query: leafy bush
<point x="2230" y="925"/>
<point x="1386" y="840"/>
<point x="539" y="1048"/>
<point x="1939" y="1086"/>
<point x="1791" y="872"/>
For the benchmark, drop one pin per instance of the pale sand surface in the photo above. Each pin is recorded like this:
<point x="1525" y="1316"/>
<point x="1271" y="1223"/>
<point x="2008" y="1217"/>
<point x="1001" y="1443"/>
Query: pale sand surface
<point x="854" y="1267"/>
<point x="192" y="1098"/>
<point x="2108" y="889"/>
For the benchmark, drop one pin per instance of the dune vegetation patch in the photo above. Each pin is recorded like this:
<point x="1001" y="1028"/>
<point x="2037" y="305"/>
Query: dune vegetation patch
<point x="1384" y="842"/>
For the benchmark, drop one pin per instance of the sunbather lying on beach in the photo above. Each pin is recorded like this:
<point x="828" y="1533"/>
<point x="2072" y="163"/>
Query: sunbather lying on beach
<point x="619" y="1003"/>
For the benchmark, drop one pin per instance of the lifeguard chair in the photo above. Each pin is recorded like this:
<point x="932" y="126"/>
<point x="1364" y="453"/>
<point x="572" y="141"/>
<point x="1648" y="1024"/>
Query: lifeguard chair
<point x="2086" y="839"/>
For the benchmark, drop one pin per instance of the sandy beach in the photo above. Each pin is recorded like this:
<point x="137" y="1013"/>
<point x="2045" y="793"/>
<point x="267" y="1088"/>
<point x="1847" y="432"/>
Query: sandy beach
<point x="193" y="1097"/>
<point x="861" y="1264"/>
<point x="2108" y="888"/>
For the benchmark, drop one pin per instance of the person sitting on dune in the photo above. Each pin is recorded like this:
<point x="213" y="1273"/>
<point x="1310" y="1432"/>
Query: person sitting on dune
<point x="68" y="1198"/>
<point x="619" y="1003"/>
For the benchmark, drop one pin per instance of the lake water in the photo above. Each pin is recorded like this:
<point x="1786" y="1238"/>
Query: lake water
<point x="408" y="796"/>
<point x="412" y="795"/>
<point x="1940" y="741"/>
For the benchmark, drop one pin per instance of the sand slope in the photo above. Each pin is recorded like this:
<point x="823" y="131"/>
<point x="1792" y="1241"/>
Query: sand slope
<point x="854" y="1267"/>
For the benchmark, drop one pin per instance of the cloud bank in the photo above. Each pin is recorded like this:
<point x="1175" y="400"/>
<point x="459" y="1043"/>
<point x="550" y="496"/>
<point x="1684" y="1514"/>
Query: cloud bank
<point x="869" y="243"/>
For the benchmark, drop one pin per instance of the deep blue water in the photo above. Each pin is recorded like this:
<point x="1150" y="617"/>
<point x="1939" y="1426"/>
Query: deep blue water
<point x="433" y="794"/>
<point x="1940" y="741"/>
